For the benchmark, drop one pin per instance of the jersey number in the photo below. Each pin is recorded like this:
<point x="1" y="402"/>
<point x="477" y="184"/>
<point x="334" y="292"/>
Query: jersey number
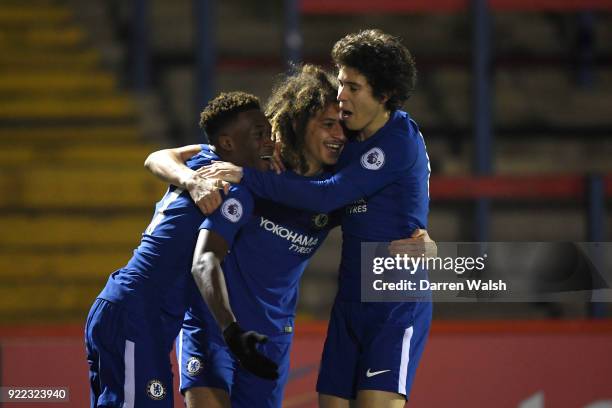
<point x="163" y="205"/>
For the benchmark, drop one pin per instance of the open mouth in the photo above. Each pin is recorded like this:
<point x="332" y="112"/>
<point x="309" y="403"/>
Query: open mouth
<point x="334" y="147"/>
<point x="345" y="114"/>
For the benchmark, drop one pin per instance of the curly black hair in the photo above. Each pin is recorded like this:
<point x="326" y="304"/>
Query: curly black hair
<point x="223" y="109"/>
<point x="385" y="62"/>
<point x="296" y="98"/>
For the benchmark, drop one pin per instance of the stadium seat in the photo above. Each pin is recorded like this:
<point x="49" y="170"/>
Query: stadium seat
<point x="74" y="194"/>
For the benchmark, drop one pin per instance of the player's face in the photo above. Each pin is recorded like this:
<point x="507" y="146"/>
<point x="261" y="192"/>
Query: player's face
<point x="324" y="139"/>
<point x="359" y="109"/>
<point x="254" y="146"/>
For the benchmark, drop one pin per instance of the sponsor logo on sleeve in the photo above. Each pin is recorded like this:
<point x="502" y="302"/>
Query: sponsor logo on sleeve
<point x="373" y="159"/>
<point x="232" y="210"/>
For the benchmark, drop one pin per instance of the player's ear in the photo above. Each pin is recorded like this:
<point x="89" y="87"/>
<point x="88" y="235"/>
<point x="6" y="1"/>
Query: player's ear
<point x="226" y="142"/>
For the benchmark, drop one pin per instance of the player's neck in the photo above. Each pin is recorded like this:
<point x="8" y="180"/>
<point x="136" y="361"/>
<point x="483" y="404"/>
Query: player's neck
<point x="219" y="152"/>
<point x="374" y="125"/>
<point x="313" y="170"/>
<point x="225" y="155"/>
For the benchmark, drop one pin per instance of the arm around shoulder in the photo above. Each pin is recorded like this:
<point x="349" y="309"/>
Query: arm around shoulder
<point x="169" y="164"/>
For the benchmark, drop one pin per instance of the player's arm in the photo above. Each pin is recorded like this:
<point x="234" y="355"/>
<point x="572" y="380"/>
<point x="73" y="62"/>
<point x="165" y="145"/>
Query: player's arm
<point x="216" y="236"/>
<point x="207" y="273"/>
<point x="208" y="276"/>
<point x="353" y="182"/>
<point x="386" y="161"/>
<point x="169" y="166"/>
<point x="396" y="156"/>
<point x="311" y="195"/>
<point x="319" y="196"/>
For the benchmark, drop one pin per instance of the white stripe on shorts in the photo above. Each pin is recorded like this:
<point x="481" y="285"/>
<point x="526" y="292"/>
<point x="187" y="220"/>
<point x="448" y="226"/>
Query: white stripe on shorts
<point x="403" y="371"/>
<point x="180" y="359"/>
<point x="129" y="381"/>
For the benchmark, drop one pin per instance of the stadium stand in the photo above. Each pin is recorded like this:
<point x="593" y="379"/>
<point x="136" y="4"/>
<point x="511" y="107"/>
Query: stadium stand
<point x="68" y="130"/>
<point x="74" y="197"/>
<point x="74" y="194"/>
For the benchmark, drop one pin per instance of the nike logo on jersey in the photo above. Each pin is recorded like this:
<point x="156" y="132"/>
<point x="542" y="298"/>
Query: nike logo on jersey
<point x="373" y="373"/>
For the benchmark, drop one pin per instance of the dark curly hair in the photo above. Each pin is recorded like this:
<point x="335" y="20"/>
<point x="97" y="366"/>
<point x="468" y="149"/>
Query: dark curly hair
<point x="295" y="99"/>
<point x="223" y="109"/>
<point x="383" y="60"/>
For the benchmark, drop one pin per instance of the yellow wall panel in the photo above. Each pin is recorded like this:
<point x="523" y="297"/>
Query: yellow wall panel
<point x="78" y="230"/>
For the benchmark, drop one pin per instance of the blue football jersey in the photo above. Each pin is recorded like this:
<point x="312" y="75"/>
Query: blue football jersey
<point x="160" y="268"/>
<point x="383" y="182"/>
<point x="266" y="261"/>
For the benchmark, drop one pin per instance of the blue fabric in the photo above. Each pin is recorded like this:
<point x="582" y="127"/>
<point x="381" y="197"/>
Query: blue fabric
<point x="107" y="330"/>
<point x="206" y="361"/>
<point x="266" y="261"/>
<point x="160" y="268"/>
<point x="383" y="182"/>
<point x="144" y="299"/>
<point x="262" y="273"/>
<point x="367" y="338"/>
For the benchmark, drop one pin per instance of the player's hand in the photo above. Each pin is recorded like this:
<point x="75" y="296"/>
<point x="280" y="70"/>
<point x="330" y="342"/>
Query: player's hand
<point x="243" y="345"/>
<point x="222" y="170"/>
<point x="276" y="164"/>
<point x="419" y="244"/>
<point x="205" y="192"/>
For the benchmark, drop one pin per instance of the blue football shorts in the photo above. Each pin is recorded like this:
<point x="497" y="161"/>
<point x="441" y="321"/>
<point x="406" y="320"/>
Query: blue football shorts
<point x="129" y="362"/>
<point x="373" y="346"/>
<point x="206" y="361"/>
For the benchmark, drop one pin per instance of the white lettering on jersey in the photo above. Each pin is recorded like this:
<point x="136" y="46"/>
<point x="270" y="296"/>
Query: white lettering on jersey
<point x="300" y="243"/>
<point x="168" y="199"/>
<point x="357" y="207"/>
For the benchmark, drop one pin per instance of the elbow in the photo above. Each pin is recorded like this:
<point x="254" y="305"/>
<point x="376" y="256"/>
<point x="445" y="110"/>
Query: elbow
<point x="148" y="163"/>
<point x="156" y="158"/>
<point x="152" y="159"/>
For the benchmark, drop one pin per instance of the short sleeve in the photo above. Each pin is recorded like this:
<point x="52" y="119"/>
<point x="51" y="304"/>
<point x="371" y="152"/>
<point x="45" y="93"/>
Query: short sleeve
<point x="232" y="214"/>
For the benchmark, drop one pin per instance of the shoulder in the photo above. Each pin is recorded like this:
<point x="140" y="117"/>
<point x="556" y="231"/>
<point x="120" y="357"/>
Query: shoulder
<point x="399" y="145"/>
<point x="401" y="123"/>
<point x="203" y="158"/>
<point x="402" y="134"/>
<point x="237" y="204"/>
<point x="239" y="191"/>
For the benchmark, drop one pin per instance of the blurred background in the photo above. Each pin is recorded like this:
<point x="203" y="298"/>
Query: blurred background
<point x="514" y="99"/>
